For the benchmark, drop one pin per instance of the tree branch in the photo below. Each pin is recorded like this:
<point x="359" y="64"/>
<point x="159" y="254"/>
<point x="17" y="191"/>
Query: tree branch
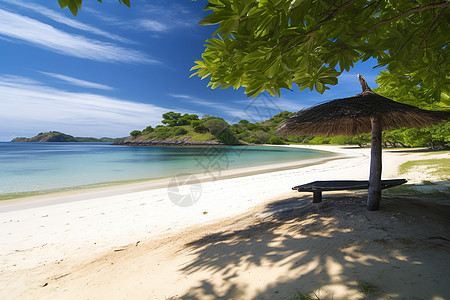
<point x="336" y="11"/>
<point x="407" y="41"/>
<point x="329" y="3"/>
<point x="375" y="7"/>
<point x="436" y="17"/>
<point x="331" y="15"/>
<point x="408" y="12"/>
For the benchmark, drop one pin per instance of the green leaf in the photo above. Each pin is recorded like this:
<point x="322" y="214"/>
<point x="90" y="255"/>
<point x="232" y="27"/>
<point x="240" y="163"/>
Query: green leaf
<point x="73" y="7"/>
<point x="255" y="11"/>
<point x="255" y="55"/>
<point x="320" y="87"/>
<point x="445" y="99"/>
<point x="273" y="69"/>
<point x="126" y="2"/>
<point x="217" y="17"/>
<point x="63" y="3"/>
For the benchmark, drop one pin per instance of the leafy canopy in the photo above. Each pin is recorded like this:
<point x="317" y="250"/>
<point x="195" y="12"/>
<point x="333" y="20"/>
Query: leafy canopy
<point x="266" y="45"/>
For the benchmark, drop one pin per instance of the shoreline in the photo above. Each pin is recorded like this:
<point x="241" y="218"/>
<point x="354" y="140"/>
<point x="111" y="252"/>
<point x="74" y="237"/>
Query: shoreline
<point x="104" y="189"/>
<point x="42" y="244"/>
<point x="50" y="227"/>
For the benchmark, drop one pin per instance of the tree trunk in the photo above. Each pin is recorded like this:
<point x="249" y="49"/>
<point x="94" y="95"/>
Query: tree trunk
<point x="374" y="197"/>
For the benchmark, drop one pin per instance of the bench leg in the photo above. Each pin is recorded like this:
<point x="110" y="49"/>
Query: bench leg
<point x="317" y="196"/>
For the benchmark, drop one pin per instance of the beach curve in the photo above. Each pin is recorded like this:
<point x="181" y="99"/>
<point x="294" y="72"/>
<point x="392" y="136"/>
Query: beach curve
<point x="78" y="232"/>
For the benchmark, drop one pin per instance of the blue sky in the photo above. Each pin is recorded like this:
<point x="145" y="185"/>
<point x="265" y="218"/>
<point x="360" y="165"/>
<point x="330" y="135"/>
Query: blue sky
<point x="113" y="69"/>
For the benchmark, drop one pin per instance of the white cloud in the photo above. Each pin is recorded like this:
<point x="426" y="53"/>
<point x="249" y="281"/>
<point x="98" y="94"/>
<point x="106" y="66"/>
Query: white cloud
<point x="37" y="33"/>
<point x="60" y="18"/>
<point x="151" y="25"/>
<point x="28" y="107"/>
<point x="8" y="79"/>
<point x="162" y="18"/>
<point x="180" y="96"/>
<point x="79" y="82"/>
<point x="154" y="18"/>
<point x="102" y="16"/>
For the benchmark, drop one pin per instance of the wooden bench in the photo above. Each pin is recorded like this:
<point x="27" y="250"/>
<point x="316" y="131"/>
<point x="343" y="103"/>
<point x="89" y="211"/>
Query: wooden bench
<point x="317" y="187"/>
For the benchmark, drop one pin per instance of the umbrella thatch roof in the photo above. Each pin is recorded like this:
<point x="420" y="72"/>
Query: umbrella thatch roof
<point x="363" y="113"/>
<point x="352" y="116"/>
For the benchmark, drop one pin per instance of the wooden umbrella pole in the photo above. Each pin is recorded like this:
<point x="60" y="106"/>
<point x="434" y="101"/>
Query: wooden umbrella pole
<point x="374" y="197"/>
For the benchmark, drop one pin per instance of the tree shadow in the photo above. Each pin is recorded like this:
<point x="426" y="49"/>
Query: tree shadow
<point x="327" y="248"/>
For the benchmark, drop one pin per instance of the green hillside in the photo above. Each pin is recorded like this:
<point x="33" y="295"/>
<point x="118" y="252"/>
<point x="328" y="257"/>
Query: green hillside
<point x="190" y="129"/>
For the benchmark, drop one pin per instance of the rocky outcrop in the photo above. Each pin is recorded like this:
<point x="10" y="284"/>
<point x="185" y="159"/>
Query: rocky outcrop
<point x="20" y="139"/>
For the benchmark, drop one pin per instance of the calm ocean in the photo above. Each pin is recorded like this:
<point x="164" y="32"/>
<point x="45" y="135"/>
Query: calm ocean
<point x="28" y="167"/>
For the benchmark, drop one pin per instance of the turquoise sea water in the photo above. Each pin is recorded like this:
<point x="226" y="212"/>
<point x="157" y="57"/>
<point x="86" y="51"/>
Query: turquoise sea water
<point x="26" y="167"/>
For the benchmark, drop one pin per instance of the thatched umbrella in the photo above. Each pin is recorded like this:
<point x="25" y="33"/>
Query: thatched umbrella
<point x="363" y="113"/>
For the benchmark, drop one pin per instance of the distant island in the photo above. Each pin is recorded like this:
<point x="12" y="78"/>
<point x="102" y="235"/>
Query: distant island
<point x="57" y="137"/>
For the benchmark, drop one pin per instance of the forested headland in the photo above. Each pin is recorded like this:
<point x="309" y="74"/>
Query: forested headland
<point x="190" y="129"/>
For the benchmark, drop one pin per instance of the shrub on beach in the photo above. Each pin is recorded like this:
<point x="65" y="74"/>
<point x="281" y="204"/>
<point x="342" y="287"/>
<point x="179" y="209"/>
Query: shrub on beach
<point x="320" y="140"/>
<point x="259" y="137"/>
<point x="276" y="140"/>
<point x="215" y="125"/>
<point x="227" y="137"/>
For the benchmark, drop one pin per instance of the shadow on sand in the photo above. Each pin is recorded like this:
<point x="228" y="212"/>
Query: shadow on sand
<point x="327" y="248"/>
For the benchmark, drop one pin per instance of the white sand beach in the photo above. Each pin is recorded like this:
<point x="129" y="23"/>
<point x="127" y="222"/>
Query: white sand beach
<point x="247" y="236"/>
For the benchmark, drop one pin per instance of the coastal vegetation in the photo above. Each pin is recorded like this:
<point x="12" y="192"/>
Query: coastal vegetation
<point x="434" y="137"/>
<point x="191" y="129"/>
<point x="185" y="129"/>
